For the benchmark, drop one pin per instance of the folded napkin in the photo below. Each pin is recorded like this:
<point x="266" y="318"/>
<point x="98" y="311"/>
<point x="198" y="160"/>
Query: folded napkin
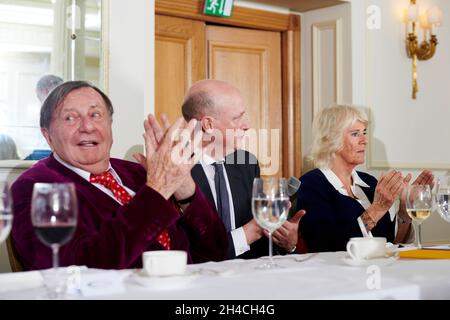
<point x="20" y="280"/>
<point x="426" y="253"/>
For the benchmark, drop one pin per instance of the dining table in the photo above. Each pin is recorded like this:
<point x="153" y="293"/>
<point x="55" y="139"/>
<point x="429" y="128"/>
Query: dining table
<point x="311" y="276"/>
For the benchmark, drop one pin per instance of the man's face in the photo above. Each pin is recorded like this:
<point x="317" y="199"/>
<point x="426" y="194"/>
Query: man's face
<point x="80" y="131"/>
<point x="232" y="122"/>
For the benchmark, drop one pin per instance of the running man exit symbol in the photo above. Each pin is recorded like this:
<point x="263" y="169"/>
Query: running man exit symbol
<point x="219" y="8"/>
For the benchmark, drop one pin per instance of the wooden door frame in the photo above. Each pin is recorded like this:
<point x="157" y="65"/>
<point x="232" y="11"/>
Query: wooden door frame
<point x="289" y="27"/>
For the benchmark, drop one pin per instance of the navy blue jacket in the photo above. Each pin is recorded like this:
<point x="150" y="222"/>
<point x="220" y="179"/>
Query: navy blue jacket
<point x="331" y="218"/>
<point x="241" y="168"/>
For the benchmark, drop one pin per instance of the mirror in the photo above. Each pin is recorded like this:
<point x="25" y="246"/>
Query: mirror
<point x="43" y="42"/>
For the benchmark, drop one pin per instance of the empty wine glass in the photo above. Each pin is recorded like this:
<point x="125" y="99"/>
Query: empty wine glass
<point x="443" y="198"/>
<point x="419" y="203"/>
<point x="54" y="213"/>
<point x="270" y="207"/>
<point x="6" y="216"/>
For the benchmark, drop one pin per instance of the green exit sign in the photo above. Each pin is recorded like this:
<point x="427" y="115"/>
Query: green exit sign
<point x="218" y="8"/>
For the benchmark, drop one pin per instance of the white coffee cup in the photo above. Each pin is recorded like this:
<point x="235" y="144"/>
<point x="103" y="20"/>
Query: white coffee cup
<point x="164" y="262"/>
<point x="360" y="248"/>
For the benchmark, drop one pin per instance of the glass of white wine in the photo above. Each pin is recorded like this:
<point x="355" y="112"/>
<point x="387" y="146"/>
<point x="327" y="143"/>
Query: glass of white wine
<point x="270" y="207"/>
<point x="6" y="216"/>
<point x="419" y="203"/>
<point x="443" y="198"/>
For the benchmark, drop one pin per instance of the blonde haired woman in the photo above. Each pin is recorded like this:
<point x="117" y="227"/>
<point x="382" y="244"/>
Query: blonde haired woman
<point x="335" y="195"/>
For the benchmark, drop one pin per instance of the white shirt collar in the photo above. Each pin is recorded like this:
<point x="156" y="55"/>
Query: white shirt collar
<point x="357" y="180"/>
<point x="83" y="173"/>
<point x="208" y="160"/>
<point x="337" y="183"/>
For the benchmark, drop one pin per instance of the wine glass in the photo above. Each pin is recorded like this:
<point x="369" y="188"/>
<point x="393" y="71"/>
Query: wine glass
<point x="54" y="213"/>
<point x="6" y="216"/>
<point x="419" y="203"/>
<point x="443" y="198"/>
<point x="270" y="207"/>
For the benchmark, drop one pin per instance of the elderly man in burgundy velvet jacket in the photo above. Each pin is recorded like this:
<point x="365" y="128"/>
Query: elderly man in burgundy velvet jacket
<point x="162" y="207"/>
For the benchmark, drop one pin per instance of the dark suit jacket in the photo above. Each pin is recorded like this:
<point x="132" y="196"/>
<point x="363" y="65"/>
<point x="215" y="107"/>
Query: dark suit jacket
<point x="331" y="218"/>
<point x="110" y="235"/>
<point x="241" y="167"/>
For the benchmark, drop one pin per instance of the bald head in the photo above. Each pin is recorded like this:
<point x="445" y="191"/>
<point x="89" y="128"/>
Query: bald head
<point x="220" y="109"/>
<point x="46" y="84"/>
<point x="208" y="98"/>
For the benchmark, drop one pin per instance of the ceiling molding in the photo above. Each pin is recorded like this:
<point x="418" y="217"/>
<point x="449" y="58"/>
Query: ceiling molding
<point x="241" y="16"/>
<point x="298" y="5"/>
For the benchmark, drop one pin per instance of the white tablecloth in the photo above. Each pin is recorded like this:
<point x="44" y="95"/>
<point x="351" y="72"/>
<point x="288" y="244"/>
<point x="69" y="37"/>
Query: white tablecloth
<point x="310" y="276"/>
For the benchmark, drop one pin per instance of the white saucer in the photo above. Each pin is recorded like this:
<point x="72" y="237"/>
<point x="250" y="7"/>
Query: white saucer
<point x="162" y="283"/>
<point x="364" y="263"/>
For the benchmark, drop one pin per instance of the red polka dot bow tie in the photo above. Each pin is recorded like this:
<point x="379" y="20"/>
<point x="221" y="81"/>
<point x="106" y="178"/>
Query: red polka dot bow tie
<point x="107" y="179"/>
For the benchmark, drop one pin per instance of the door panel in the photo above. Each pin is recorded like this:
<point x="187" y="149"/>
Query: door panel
<point x="180" y="61"/>
<point x="250" y="60"/>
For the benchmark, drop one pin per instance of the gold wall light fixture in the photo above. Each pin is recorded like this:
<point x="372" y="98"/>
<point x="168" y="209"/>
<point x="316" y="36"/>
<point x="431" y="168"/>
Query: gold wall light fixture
<point x="426" y="49"/>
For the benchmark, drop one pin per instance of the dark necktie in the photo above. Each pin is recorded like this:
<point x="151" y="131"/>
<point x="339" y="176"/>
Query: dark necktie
<point x="223" y="201"/>
<point x="120" y="193"/>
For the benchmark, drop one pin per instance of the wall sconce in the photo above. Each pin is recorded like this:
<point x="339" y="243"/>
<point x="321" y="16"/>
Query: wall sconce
<point x="427" y="47"/>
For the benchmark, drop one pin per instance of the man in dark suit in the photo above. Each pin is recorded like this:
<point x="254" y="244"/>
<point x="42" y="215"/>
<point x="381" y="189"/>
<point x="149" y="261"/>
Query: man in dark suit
<point x="226" y="172"/>
<point x="124" y="208"/>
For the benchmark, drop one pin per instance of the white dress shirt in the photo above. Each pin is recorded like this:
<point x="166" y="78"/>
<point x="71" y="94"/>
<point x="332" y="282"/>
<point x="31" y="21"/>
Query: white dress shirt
<point x="237" y="234"/>
<point x="86" y="176"/>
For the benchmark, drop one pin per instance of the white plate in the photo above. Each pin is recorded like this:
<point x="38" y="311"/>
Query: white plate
<point x="162" y="283"/>
<point x="363" y="263"/>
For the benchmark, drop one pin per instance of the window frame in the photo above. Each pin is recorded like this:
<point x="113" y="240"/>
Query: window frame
<point x="25" y="164"/>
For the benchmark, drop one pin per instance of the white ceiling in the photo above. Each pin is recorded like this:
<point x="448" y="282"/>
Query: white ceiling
<point x="299" y="5"/>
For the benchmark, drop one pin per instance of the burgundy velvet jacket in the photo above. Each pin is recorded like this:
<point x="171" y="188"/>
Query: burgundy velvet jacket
<point x="112" y="236"/>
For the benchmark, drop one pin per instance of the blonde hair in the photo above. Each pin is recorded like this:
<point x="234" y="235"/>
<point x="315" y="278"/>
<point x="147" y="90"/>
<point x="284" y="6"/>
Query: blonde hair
<point x="328" y="130"/>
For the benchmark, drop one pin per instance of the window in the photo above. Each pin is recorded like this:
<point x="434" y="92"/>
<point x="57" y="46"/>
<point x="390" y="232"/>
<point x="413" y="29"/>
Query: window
<point x="37" y="38"/>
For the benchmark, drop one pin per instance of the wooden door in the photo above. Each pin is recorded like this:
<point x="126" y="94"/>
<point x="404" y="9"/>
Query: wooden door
<point x="179" y="61"/>
<point x="251" y="60"/>
<point x="288" y="26"/>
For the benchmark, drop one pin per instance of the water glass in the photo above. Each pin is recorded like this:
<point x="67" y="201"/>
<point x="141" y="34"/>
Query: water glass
<point x="443" y="198"/>
<point x="270" y="207"/>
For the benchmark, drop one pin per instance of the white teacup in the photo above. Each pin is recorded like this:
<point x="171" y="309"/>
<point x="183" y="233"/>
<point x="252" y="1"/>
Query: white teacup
<point x="164" y="262"/>
<point x="360" y="248"/>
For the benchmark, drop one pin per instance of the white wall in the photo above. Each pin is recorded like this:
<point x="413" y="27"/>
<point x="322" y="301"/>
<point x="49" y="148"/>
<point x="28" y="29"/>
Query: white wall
<point x="405" y="134"/>
<point x="340" y="13"/>
<point x="131" y="71"/>
<point x="389" y="76"/>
